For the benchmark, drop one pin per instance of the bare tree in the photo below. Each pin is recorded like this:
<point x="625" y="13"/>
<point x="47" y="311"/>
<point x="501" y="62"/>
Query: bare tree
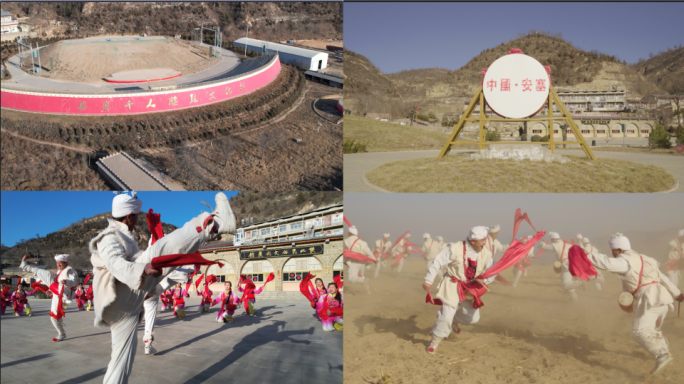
<point x="676" y="88"/>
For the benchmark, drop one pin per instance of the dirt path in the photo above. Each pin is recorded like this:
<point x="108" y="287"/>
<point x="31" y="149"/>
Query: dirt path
<point x="81" y="149"/>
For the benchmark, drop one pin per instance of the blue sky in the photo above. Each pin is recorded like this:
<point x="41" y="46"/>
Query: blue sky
<point x="400" y="36"/>
<point x="25" y="214"/>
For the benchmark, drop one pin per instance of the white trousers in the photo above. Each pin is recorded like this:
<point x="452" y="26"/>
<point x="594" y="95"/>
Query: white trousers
<point x="122" y="315"/>
<point x="59" y="326"/>
<point x="400" y="266"/>
<point x="150" y="306"/>
<point x="516" y="275"/>
<point x="674" y="277"/>
<point x="378" y="266"/>
<point x="354" y="270"/>
<point x="464" y="314"/>
<point x="647" y="328"/>
<point x="569" y="282"/>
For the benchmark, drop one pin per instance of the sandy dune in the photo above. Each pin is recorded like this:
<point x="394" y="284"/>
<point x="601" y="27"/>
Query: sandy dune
<point x="528" y="334"/>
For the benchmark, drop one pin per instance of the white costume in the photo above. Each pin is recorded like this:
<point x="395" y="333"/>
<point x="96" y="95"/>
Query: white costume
<point x="517" y="273"/>
<point x="151" y="305"/>
<point x="67" y="277"/>
<point x="676" y="253"/>
<point x="382" y="246"/>
<point x="588" y="248"/>
<point x="653" y="294"/>
<point x="495" y="245"/>
<point x="400" y="250"/>
<point x="453" y="259"/>
<point x="562" y="250"/>
<point x="442" y="244"/>
<point x="120" y="285"/>
<point x="356" y="268"/>
<point x="431" y="249"/>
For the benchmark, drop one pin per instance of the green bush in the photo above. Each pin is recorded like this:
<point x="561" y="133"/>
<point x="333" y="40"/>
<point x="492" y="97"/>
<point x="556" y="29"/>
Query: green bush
<point x="536" y="138"/>
<point x="493" y="135"/>
<point x="523" y="137"/>
<point x="659" y="138"/>
<point x="352" y="146"/>
<point x="680" y="135"/>
<point x="545" y="139"/>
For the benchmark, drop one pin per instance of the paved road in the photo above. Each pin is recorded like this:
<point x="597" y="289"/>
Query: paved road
<point x="357" y="165"/>
<point x="23" y="80"/>
<point x="283" y="344"/>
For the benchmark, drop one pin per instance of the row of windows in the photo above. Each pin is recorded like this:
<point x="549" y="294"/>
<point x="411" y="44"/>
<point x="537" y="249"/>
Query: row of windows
<point x="298" y="226"/>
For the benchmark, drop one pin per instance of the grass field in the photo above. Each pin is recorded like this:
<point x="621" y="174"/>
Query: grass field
<point x="657" y="151"/>
<point x="458" y="173"/>
<point x="388" y="137"/>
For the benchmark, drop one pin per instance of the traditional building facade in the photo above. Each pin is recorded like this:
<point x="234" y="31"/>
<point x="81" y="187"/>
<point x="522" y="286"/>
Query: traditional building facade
<point x="288" y="247"/>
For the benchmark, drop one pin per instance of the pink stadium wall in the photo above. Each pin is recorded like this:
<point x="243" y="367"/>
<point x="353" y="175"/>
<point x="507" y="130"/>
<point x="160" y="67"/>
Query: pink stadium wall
<point x="137" y="103"/>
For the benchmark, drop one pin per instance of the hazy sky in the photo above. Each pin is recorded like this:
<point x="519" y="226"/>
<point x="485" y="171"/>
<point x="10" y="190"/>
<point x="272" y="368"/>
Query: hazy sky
<point x="452" y="215"/>
<point x="25" y="214"/>
<point x="399" y="36"/>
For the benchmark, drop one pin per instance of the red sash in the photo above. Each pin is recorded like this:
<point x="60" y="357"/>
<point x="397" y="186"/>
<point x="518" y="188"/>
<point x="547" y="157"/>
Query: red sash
<point x="641" y="272"/>
<point x="58" y="289"/>
<point x="429" y="248"/>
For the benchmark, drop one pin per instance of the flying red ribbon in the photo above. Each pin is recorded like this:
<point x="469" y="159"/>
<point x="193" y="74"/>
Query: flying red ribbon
<point x="154" y="225"/>
<point x="579" y="264"/>
<point x="519" y="217"/>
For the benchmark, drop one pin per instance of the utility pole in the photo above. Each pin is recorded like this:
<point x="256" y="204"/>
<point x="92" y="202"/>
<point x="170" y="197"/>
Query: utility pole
<point x="246" y="37"/>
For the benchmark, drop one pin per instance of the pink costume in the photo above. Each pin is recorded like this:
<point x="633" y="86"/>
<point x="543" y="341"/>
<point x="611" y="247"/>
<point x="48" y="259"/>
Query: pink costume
<point x="249" y="296"/>
<point x="4" y="300"/>
<point x="228" y="305"/>
<point x="165" y="298"/>
<point x="81" y="299"/>
<point x="178" y="301"/>
<point x="20" y="301"/>
<point x="206" y="299"/>
<point x="328" y="302"/>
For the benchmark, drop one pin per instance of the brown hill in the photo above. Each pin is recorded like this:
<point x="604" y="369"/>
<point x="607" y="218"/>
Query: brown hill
<point x="365" y="85"/>
<point x="73" y="240"/>
<point x="663" y="69"/>
<point x="444" y="91"/>
<point x="272" y="21"/>
<point x="263" y="206"/>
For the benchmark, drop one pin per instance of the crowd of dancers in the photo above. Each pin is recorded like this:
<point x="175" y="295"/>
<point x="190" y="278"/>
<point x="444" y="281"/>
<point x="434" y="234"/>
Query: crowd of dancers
<point x="128" y="284"/>
<point x="465" y="269"/>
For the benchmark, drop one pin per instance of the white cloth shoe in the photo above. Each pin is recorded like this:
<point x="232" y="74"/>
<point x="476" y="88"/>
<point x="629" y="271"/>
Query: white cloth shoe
<point x="149" y="350"/>
<point x="661" y="362"/>
<point x="433" y="347"/>
<point x="223" y="215"/>
<point x="59" y="338"/>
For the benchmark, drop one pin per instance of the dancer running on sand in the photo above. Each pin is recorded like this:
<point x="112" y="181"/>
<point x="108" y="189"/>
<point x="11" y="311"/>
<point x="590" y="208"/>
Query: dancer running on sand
<point x="561" y="249"/>
<point x="400" y="252"/>
<point x="124" y="276"/>
<point x="463" y="260"/>
<point x="381" y="252"/>
<point x="430" y="248"/>
<point x="61" y="285"/>
<point x="588" y="248"/>
<point x="229" y="302"/>
<point x="493" y="244"/>
<point x="653" y="292"/>
<point x="20" y="299"/>
<point x="519" y="268"/>
<point x="356" y="267"/>
<point x="329" y="309"/>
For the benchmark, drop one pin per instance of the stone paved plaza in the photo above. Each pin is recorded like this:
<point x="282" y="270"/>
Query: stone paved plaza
<point x="283" y="344"/>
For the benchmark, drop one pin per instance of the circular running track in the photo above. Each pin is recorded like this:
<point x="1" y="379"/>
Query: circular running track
<point x="228" y="79"/>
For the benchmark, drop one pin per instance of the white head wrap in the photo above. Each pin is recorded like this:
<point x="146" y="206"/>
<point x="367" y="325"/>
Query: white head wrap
<point x="681" y="233"/>
<point x="478" y="233"/>
<point x="426" y="235"/>
<point x="408" y="234"/>
<point x="554" y="235"/>
<point x="440" y="239"/>
<point x="386" y="235"/>
<point x="495" y="229"/>
<point x="585" y="240"/>
<point x="123" y="205"/>
<point x="62" y="257"/>
<point x="579" y="236"/>
<point x="618" y="240"/>
<point x="353" y="230"/>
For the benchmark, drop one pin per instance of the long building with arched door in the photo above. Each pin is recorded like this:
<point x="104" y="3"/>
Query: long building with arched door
<point x="289" y="247"/>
